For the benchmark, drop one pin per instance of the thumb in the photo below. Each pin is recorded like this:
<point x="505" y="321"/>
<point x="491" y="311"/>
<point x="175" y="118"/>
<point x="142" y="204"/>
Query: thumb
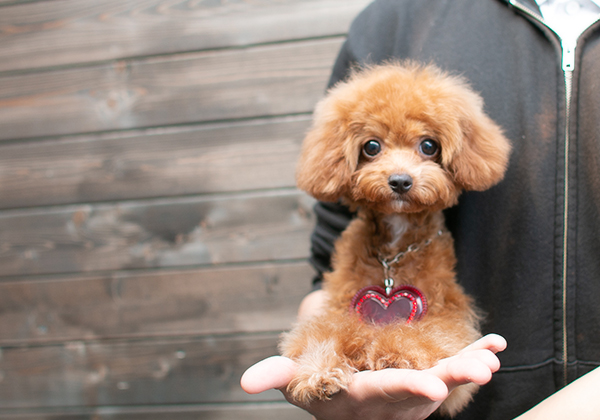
<point x="272" y="373"/>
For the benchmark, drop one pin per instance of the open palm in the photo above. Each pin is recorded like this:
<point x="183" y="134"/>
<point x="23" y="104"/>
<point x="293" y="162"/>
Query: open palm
<point x="390" y="393"/>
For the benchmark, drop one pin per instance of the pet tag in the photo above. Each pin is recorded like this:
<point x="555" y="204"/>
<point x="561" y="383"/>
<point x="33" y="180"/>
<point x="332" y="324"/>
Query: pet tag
<point x="374" y="305"/>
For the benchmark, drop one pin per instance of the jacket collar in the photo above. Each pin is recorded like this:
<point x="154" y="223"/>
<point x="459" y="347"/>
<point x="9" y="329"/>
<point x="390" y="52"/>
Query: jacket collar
<point x="530" y="5"/>
<point x="527" y="3"/>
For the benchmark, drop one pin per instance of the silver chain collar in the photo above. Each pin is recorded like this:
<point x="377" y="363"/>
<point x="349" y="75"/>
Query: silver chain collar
<point x="387" y="263"/>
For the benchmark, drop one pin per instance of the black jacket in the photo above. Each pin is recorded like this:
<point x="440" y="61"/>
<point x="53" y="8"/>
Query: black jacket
<point x="529" y="248"/>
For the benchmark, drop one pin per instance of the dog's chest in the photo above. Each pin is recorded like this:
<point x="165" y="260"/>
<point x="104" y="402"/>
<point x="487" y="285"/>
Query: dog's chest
<point x="398" y="225"/>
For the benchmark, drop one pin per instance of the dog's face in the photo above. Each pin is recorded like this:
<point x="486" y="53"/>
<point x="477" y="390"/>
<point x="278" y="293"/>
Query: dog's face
<point x="401" y="139"/>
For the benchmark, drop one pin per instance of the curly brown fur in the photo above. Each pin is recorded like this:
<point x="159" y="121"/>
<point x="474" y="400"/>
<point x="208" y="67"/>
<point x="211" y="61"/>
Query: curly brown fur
<point x="404" y="108"/>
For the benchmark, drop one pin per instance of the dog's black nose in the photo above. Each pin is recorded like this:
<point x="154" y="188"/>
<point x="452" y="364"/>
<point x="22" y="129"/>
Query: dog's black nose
<point x="400" y="183"/>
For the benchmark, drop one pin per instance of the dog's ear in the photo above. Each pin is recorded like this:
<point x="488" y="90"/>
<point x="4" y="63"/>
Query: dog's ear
<point x="328" y="159"/>
<point x="480" y="159"/>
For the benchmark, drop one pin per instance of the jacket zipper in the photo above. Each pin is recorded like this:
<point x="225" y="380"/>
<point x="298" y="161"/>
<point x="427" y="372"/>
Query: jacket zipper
<point x="568" y="66"/>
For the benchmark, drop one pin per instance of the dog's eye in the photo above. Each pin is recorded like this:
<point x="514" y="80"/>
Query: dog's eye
<point x="429" y="147"/>
<point x="372" y="148"/>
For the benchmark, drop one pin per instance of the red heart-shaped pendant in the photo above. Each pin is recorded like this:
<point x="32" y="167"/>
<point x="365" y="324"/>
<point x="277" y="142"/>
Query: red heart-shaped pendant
<point x="374" y="305"/>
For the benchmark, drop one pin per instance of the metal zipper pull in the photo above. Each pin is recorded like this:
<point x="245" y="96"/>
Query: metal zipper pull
<point x="568" y="55"/>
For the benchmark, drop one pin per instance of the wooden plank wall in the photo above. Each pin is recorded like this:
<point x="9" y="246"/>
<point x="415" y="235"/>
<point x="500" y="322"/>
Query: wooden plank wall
<point x="152" y="242"/>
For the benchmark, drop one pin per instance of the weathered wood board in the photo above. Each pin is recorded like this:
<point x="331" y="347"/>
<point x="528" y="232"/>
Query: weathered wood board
<point x="63" y="32"/>
<point x="213" y="158"/>
<point x="246" y="411"/>
<point x="179" y="232"/>
<point x="269" y="80"/>
<point x="133" y="372"/>
<point x="164" y="303"/>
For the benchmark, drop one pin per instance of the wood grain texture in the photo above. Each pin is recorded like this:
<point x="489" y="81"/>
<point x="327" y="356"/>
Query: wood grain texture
<point x="16" y="2"/>
<point x="145" y="372"/>
<point x="152" y="244"/>
<point x="230" y="157"/>
<point x="162" y="233"/>
<point x="242" y="411"/>
<point x="63" y="32"/>
<point x="135" y="304"/>
<point x="270" y="80"/>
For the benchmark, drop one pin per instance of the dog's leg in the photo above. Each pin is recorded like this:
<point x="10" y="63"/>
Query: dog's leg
<point x="327" y="357"/>
<point x="321" y="373"/>
<point x="405" y="347"/>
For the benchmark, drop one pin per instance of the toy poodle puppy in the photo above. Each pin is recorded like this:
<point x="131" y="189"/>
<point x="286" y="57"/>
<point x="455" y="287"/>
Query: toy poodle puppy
<point x="398" y="143"/>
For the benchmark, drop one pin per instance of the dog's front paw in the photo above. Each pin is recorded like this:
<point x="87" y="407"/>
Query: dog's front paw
<point x="401" y="358"/>
<point x="312" y="384"/>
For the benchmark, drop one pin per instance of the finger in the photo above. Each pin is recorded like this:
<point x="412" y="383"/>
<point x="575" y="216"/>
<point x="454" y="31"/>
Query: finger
<point x="487" y="357"/>
<point x="492" y="342"/>
<point x="474" y="366"/>
<point x="394" y="385"/>
<point x="466" y="370"/>
<point x="273" y="372"/>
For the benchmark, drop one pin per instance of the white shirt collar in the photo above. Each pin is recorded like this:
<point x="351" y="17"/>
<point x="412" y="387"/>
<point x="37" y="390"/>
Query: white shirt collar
<point x="569" y="18"/>
<point x="540" y="2"/>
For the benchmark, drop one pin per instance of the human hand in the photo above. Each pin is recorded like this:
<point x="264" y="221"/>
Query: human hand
<point x="390" y="393"/>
